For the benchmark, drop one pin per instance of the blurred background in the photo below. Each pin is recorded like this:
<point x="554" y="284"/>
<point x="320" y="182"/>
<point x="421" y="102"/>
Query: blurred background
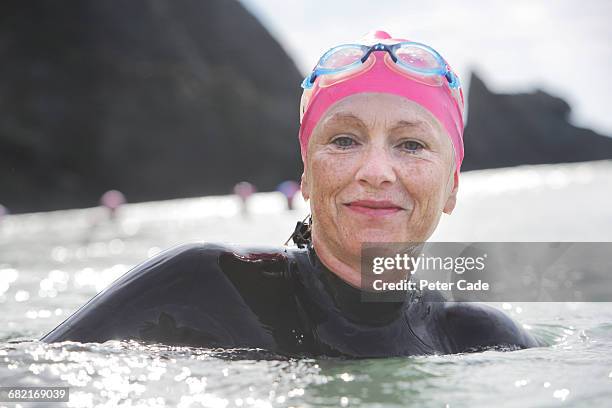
<point x="163" y="99"/>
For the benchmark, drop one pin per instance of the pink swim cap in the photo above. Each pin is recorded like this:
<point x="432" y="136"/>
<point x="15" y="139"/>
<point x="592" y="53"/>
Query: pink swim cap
<point x="438" y="100"/>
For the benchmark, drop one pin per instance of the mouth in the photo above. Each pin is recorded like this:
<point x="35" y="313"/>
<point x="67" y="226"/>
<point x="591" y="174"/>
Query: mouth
<point x="374" y="208"/>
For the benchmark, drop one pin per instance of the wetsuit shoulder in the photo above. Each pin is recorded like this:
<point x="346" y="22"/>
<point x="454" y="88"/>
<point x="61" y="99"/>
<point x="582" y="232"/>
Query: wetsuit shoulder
<point x="203" y="294"/>
<point x="477" y="326"/>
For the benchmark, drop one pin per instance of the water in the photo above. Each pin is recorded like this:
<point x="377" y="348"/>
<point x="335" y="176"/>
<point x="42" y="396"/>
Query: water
<point x="51" y="263"/>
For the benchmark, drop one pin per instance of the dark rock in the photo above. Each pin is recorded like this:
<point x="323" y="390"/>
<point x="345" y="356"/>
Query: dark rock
<point x="156" y="98"/>
<point x="508" y="130"/>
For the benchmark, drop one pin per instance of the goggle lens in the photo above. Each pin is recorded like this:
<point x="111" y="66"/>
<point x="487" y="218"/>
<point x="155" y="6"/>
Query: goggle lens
<point x="341" y="58"/>
<point x="418" y="58"/>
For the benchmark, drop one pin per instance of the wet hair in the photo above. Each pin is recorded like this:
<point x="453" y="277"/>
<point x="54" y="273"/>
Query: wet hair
<point x="302" y="234"/>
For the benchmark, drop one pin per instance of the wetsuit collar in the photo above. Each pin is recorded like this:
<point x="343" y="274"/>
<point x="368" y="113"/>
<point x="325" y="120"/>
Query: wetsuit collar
<point x="349" y="299"/>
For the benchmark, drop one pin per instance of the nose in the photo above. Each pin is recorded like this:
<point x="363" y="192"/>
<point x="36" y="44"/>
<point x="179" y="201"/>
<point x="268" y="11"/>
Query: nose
<point x="376" y="168"/>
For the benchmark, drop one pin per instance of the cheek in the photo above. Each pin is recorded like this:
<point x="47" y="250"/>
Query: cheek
<point x="425" y="182"/>
<point x="328" y="175"/>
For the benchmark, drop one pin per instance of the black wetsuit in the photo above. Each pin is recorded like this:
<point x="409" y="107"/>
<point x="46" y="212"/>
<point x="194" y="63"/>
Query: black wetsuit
<point x="280" y="299"/>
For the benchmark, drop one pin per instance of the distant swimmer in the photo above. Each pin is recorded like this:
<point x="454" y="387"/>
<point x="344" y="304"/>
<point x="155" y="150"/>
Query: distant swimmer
<point x="244" y="190"/>
<point x="289" y="188"/>
<point x="112" y="200"/>
<point x="381" y="138"/>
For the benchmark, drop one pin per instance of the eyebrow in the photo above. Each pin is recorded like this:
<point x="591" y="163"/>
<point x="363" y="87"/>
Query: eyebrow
<point x="418" y="124"/>
<point x="352" y="119"/>
<point x="347" y="118"/>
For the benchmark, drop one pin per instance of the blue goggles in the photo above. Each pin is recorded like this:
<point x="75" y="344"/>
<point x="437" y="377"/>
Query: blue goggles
<point x="412" y="58"/>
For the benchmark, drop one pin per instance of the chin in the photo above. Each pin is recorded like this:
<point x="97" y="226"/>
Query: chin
<point x="377" y="235"/>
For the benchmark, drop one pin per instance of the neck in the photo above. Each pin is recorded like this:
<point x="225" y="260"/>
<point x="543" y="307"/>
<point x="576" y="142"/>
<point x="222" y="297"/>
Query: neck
<point x="347" y="270"/>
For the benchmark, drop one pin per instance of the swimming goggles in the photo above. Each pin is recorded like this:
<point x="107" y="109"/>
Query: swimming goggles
<point x="415" y="60"/>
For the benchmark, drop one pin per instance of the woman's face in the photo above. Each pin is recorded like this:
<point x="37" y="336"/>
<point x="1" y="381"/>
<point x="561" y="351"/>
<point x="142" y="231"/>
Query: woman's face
<point x="379" y="168"/>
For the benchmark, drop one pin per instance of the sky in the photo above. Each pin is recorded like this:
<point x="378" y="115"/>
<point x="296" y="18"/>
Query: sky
<point x="563" y="47"/>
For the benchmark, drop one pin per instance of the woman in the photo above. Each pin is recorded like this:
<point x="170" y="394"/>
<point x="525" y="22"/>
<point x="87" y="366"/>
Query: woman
<point x="381" y="140"/>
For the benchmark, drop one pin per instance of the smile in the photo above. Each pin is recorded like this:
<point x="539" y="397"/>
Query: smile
<point x="374" y="208"/>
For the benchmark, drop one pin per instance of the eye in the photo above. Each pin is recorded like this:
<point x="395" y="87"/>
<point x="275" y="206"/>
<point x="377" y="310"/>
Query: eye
<point x="344" y="142"/>
<point x="411" y="146"/>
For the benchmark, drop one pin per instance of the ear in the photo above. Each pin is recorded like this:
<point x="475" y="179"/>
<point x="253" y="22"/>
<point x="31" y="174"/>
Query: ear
<point x="451" y="201"/>
<point x="305" y="187"/>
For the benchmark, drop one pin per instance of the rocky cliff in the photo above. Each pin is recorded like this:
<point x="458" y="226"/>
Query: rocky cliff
<point x="529" y="128"/>
<point x="156" y="98"/>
